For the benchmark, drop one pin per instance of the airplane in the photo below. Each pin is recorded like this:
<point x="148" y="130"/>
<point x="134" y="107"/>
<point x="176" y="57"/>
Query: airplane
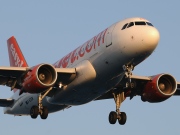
<point x="101" y="68"/>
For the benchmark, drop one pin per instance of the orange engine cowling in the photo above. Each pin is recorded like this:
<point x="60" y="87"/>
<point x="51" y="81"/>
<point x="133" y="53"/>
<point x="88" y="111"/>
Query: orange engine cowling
<point x="39" y="78"/>
<point x="160" y="88"/>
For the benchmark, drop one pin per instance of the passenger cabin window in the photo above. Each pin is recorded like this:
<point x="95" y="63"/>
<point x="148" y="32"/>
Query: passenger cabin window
<point x="130" y="24"/>
<point x="140" y="23"/>
<point x="148" y="23"/>
<point x="124" y="26"/>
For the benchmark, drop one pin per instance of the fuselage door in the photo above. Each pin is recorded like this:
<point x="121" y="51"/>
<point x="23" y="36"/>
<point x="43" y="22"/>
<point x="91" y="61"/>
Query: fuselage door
<point x="108" y="38"/>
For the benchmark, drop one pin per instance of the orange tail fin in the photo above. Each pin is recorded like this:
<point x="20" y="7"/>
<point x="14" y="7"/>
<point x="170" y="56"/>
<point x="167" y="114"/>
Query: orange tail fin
<point x="16" y="57"/>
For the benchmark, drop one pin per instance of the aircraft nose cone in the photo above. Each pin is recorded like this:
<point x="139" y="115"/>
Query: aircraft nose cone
<point x="142" y="41"/>
<point x="151" y="38"/>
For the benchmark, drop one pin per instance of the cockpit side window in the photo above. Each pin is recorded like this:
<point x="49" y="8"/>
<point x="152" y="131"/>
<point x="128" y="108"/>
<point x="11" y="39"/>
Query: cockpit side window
<point x="140" y="23"/>
<point x="130" y="24"/>
<point x="124" y="26"/>
<point x="148" y="23"/>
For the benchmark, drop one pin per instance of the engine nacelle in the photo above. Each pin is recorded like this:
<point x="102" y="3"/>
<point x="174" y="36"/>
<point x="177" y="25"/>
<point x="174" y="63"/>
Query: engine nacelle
<point x="39" y="78"/>
<point x="160" y="88"/>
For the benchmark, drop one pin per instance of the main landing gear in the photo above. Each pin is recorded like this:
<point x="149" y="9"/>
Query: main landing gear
<point x="40" y="109"/>
<point x="120" y="116"/>
<point x="119" y="97"/>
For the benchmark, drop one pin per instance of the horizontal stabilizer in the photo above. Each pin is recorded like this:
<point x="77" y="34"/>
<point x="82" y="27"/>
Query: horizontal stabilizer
<point x="6" y="102"/>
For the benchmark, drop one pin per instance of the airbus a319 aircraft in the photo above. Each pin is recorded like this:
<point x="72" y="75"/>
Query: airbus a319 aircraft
<point x="99" y="69"/>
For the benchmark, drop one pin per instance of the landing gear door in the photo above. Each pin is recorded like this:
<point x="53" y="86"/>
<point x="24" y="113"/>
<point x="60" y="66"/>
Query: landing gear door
<point x="108" y="38"/>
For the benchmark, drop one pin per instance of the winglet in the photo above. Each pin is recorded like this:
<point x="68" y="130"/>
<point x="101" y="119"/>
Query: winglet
<point x="16" y="57"/>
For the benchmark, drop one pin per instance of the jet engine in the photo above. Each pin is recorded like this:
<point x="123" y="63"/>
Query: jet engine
<point x="39" y="78"/>
<point x="160" y="88"/>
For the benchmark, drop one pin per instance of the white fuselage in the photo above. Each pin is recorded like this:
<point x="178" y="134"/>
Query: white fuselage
<point x="99" y="65"/>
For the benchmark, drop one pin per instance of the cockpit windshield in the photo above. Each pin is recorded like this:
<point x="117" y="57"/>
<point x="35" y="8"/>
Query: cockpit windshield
<point x="130" y="24"/>
<point x="140" y="23"/>
<point x="148" y="23"/>
<point x="124" y="26"/>
<point x="127" y="25"/>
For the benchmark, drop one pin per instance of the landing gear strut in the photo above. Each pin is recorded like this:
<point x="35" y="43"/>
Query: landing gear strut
<point x="128" y="71"/>
<point x="120" y="116"/>
<point x="40" y="109"/>
<point x="119" y="97"/>
<point x="128" y="74"/>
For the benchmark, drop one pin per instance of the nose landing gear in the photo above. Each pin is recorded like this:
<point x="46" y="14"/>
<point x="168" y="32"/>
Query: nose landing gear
<point x="128" y="71"/>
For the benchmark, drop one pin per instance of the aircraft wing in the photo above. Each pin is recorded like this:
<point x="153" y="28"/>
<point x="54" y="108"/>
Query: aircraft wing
<point x="140" y="80"/>
<point x="6" y="102"/>
<point x="65" y="75"/>
<point x="120" y="87"/>
<point x="9" y="76"/>
<point x="178" y="89"/>
<point x="145" y="78"/>
<point x="12" y="71"/>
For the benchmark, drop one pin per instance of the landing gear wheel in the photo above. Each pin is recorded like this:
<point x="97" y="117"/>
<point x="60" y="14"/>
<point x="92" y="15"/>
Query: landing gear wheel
<point x="44" y="113"/>
<point x="143" y="99"/>
<point x="112" y="117"/>
<point x="34" y="112"/>
<point x="122" y="119"/>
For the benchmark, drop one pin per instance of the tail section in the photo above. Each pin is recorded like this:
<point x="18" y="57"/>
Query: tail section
<point x="16" y="57"/>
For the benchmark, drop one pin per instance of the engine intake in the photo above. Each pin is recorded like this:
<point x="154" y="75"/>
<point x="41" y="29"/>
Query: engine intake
<point x="39" y="78"/>
<point x="46" y="74"/>
<point x="160" y="88"/>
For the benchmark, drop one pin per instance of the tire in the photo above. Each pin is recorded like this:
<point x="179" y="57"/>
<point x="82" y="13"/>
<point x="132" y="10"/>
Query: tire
<point x="112" y="117"/>
<point x="34" y="112"/>
<point x="123" y="116"/>
<point x="44" y="114"/>
<point x="143" y="99"/>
